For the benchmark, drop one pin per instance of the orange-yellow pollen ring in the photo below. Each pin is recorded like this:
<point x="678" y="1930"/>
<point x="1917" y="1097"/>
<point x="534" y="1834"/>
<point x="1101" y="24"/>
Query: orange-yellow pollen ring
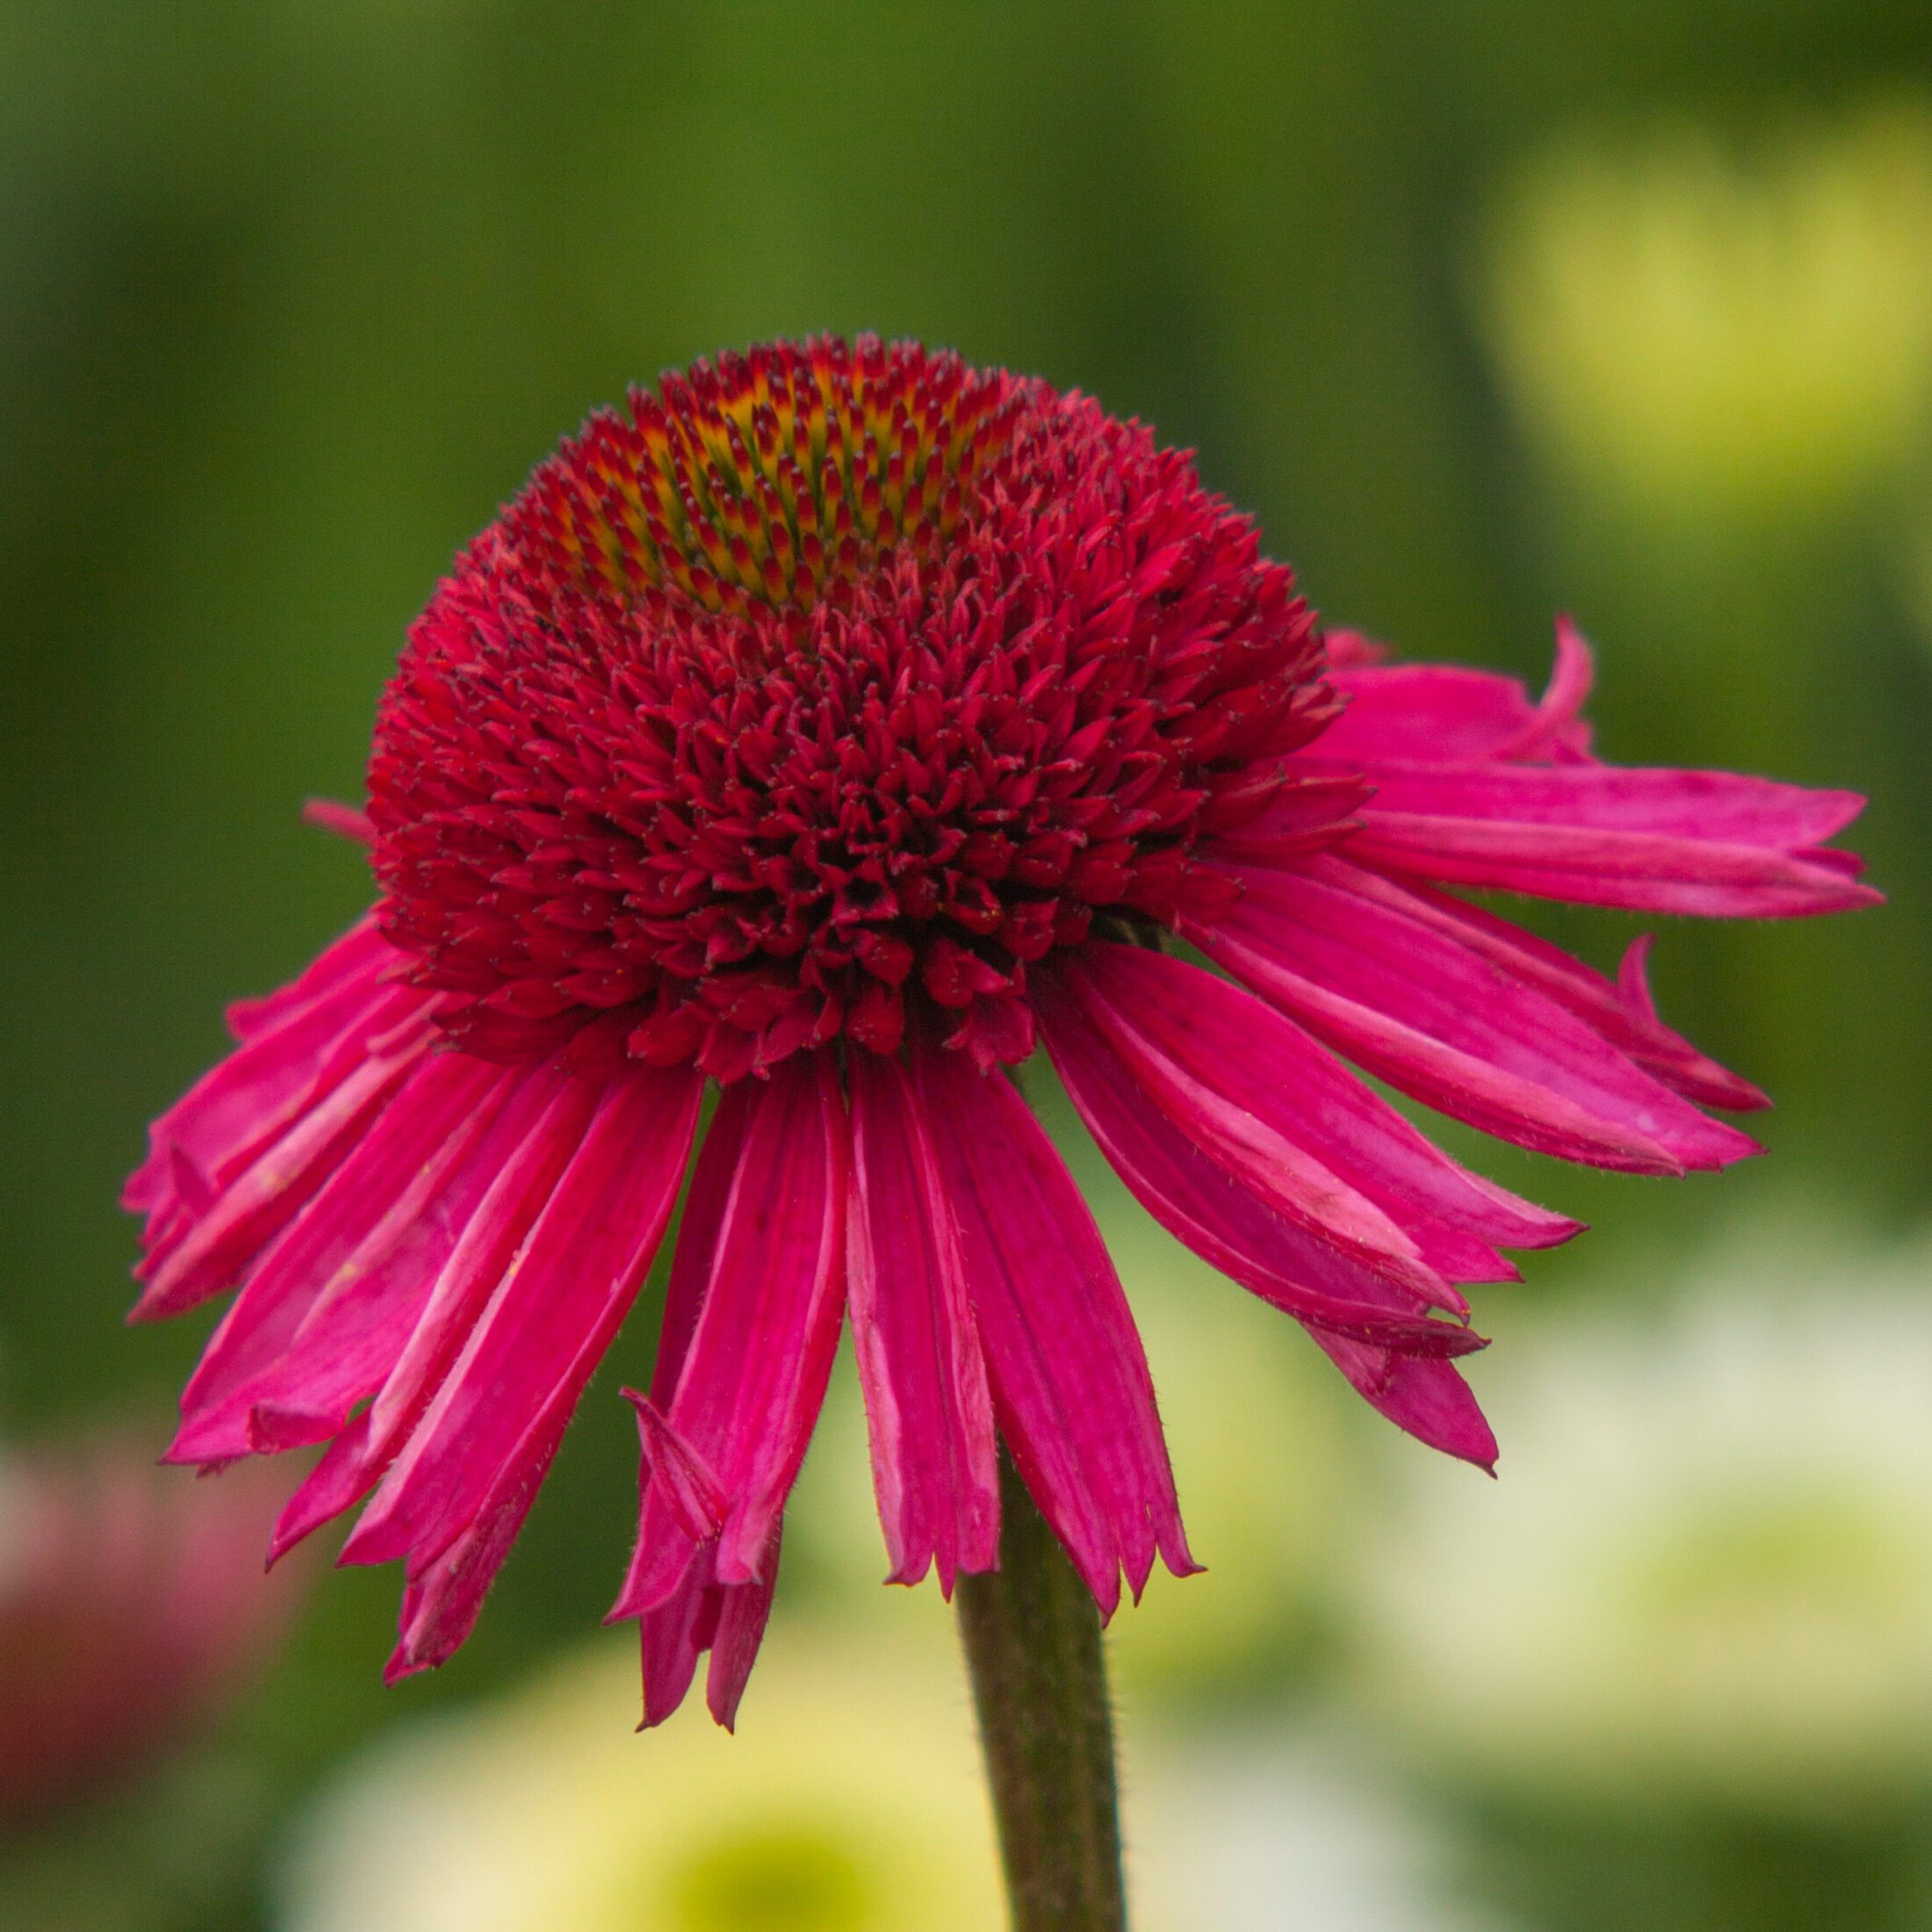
<point x="776" y="478"/>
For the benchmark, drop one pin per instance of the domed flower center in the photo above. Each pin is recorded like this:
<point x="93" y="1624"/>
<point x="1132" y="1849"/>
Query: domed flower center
<point x="822" y="694"/>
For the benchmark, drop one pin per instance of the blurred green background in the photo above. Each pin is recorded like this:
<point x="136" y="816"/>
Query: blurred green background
<point x="1485" y="309"/>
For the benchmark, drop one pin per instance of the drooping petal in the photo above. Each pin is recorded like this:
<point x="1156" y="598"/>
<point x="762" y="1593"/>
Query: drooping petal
<point x="1712" y="844"/>
<point x="703" y="1614"/>
<point x="671" y="1587"/>
<point x="1628" y="1022"/>
<point x="1203" y="1206"/>
<point x="254" y="1095"/>
<point x="334" y="1484"/>
<point x="366" y="1331"/>
<point x="1258" y="1094"/>
<point x="668" y="1541"/>
<point x="1451" y="1026"/>
<point x="1069" y="1382"/>
<point x="213" y="1247"/>
<point x="482" y="1442"/>
<point x="1716" y="806"/>
<point x="742" y="1611"/>
<point x="442" y="1596"/>
<point x="490" y="1207"/>
<point x="384" y="1184"/>
<point x="1427" y="1398"/>
<point x="753" y="1375"/>
<point x="933" y="1450"/>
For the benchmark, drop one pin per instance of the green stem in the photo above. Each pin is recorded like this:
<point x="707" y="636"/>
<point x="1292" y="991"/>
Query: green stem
<point x="1033" y="1649"/>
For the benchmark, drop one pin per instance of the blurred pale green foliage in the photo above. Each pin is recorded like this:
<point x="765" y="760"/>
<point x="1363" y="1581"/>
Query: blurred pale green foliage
<point x="292" y="296"/>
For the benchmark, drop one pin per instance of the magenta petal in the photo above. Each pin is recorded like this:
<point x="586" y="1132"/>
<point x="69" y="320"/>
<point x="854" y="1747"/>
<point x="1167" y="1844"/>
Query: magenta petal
<point x="478" y="1224"/>
<point x="383" y="1186"/>
<point x="1557" y="732"/>
<point x="1446" y="711"/>
<point x="1708" y="843"/>
<point x="258" y="1090"/>
<point x="294" y="1043"/>
<point x="250" y="1210"/>
<point x="750" y="1383"/>
<point x="548" y="1322"/>
<point x="362" y="1328"/>
<point x="1638" y="872"/>
<point x="1246" y="1083"/>
<point x="934" y="1454"/>
<point x="1428" y="1398"/>
<point x="675" y="1632"/>
<point x="1405" y="1001"/>
<point x="1069" y="1382"/>
<point x="361" y="957"/>
<point x="337" y="1482"/>
<point x="701" y="1614"/>
<point x="666" y="1546"/>
<point x="692" y="1493"/>
<point x="742" y="1614"/>
<point x="444" y="1595"/>
<point x="345" y="821"/>
<point x="1720" y="807"/>
<point x="1204" y="1207"/>
<point x="1628" y="1023"/>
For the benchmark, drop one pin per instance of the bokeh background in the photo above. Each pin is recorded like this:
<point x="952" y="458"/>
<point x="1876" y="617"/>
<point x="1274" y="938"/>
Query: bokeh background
<point x="1486" y="310"/>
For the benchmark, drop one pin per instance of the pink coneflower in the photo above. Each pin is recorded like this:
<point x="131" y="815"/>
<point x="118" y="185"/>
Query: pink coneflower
<point x="836" y="728"/>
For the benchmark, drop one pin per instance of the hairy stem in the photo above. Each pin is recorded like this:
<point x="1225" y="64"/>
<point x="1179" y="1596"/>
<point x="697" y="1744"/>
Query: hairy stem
<point x="1033" y="1649"/>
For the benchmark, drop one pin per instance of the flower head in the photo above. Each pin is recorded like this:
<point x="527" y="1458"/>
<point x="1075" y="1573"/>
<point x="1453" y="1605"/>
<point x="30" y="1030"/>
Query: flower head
<point x="831" y="729"/>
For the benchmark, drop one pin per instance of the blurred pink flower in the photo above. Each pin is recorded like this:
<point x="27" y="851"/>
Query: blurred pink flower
<point x="132" y="1606"/>
<point x="853" y="721"/>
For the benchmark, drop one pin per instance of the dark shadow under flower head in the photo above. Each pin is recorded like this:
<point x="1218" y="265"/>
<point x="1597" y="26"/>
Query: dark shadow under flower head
<point x="837" y="726"/>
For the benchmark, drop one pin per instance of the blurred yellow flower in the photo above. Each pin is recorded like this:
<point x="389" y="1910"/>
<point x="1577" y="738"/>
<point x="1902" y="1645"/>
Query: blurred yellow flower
<point x="1692" y="330"/>
<point x="1706" y="1567"/>
<point x="849" y="1802"/>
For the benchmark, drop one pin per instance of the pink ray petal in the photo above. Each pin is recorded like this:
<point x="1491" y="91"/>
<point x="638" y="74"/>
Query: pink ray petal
<point x="752" y="1380"/>
<point x="742" y="1611"/>
<point x="385" y="1183"/>
<point x="934" y="1452"/>
<point x="1712" y="844"/>
<point x="1428" y="1398"/>
<point x="1220" y="1056"/>
<point x="1069" y="1382"/>
<point x="676" y="1630"/>
<point x="360" y="1333"/>
<point x="485" y="1212"/>
<point x="1630" y="1025"/>
<point x="547" y="1323"/>
<point x="258" y="1091"/>
<point x="1408" y="1003"/>
<point x="1558" y="731"/>
<point x="253" y="1208"/>
<point x="1717" y="807"/>
<point x="1208" y="1209"/>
